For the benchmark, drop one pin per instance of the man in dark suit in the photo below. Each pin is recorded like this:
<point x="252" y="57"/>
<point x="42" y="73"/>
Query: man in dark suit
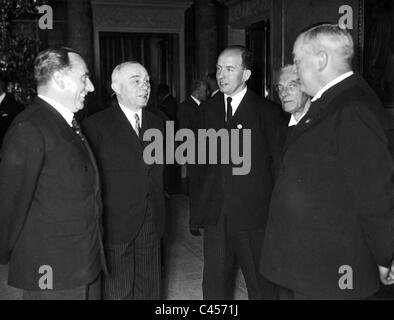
<point x="9" y="108"/>
<point x="233" y="209"/>
<point x="132" y="190"/>
<point x="50" y="203"/>
<point x="188" y="115"/>
<point x="212" y="84"/>
<point x="167" y="102"/>
<point x="330" y="230"/>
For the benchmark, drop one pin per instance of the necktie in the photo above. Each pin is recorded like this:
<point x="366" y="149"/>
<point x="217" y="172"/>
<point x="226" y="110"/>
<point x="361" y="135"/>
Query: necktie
<point x="77" y="128"/>
<point x="137" y="124"/>
<point x="229" y="113"/>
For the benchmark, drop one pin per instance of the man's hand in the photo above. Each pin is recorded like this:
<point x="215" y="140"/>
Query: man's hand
<point x="386" y="275"/>
<point x="195" y="231"/>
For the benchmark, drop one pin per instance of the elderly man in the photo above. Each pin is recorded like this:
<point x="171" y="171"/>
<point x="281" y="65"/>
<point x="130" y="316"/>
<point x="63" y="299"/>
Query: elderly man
<point x="233" y="209"/>
<point x="132" y="190"/>
<point x="50" y="203"/>
<point x="330" y="230"/>
<point x="293" y="99"/>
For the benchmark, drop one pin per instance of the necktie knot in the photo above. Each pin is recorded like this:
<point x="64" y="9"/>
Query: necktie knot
<point x="229" y="113"/>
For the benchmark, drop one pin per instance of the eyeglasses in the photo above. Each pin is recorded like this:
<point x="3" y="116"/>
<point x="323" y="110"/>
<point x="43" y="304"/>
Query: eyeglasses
<point x="292" y="87"/>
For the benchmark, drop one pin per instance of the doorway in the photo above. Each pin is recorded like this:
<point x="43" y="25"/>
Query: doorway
<point x="258" y="41"/>
<point x="157" y="52"/>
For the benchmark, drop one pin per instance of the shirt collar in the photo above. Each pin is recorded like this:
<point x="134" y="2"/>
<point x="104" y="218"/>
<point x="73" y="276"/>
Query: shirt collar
<point x="293" y="121"/>
<point x="2" y="96"/>
<point x="66" y="113"/>
<point x="236" y="99"/>
<point x="130" y="115"/>
<point x="196" y="100"/>
<point x="331" y="84"/>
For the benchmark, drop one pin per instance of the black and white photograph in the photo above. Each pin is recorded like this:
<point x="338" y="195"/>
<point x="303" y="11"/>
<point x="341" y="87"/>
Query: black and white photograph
<point x="184" y="152"/>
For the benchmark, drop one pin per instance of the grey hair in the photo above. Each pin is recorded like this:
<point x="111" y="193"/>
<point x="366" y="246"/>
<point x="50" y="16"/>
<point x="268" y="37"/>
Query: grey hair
<point x="333" y="38"/>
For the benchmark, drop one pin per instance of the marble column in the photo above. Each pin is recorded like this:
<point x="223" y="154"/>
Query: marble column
<point x="206" y="37"/>
<point x="80" y="29"/>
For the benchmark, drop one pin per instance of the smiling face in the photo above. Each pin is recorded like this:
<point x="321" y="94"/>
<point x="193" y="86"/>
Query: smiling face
<point x="230" y="73"/>
<point x="76" y="83"/>
<point x="290" y="93"/>
<point x="131" y="85"/>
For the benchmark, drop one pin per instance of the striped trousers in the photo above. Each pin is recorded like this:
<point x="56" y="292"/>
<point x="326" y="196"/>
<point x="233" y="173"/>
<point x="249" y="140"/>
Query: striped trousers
<point x="134" y="267"/>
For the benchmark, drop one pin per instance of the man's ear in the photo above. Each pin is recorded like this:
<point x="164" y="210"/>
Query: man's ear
<point x="322" y="60"/>
<point x="247" y="74"/>
<point x="115" y="87"/>
<point x="58" y="79"/>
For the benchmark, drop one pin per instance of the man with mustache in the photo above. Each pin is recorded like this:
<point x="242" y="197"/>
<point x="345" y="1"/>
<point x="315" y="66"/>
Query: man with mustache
<point x="132" y="190"/>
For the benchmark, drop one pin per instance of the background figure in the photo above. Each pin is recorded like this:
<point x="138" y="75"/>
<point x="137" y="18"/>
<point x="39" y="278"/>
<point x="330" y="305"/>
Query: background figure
<point x="50" y="202"/>
<point x="294" y="101"/>
<point x="169" y="106"/>
<point x="132" y="190"/>
<point x="331" y="213"/>
<point x="212" y="82"/>
<point x="9" y="108"/>
<point x="233" y="209"/>
<point x="189" y="117"/>
<point x="167" y="102"/>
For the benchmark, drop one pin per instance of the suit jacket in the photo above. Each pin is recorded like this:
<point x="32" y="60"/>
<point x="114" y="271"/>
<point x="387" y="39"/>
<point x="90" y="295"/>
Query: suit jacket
<point x="50" y="202"/>
<point x="243" y="198"/>
<point x="188" y="114"/>
<point x="130" y="186"/>
<point x="9" y="108"/>
<point x="331" y="205"/>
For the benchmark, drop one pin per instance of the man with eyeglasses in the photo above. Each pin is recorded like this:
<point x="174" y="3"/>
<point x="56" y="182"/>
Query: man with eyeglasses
<point x="233" y="209"/>
<point x="293" y="99"/>
<point x="330" y="228"/>
<point x="133" y="195"/>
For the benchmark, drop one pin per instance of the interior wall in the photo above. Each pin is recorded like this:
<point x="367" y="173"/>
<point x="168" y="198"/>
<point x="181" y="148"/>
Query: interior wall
<point x="300" y="14"/>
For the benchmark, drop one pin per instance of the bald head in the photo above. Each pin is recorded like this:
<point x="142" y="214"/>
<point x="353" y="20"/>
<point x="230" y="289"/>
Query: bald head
<point x="130" y="82"/>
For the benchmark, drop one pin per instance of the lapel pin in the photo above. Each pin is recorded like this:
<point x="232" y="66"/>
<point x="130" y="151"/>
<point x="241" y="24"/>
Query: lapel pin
<point x="307" y="121"/>
<point x="239" y="126"/>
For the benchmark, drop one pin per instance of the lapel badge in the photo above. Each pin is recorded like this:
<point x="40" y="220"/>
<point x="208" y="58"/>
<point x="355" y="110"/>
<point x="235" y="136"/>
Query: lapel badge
<point x="239" y="126"/>
<point x="307" y="121"/>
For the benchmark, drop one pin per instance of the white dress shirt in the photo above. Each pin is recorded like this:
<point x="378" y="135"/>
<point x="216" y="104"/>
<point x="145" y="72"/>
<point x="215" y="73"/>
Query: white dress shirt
<point x="331" y="84"/>
<point x="293" y="121"/>
<point x="130" y="115"/>
<point x="66" y="113"/>
<point x="196" y="100"/>
<point x="2" y="96"/>
<point x="236" y="100"/>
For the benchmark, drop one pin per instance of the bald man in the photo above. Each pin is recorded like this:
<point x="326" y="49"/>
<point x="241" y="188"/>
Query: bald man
<point x="132" y="190"/>
<point x="330" y="229"/>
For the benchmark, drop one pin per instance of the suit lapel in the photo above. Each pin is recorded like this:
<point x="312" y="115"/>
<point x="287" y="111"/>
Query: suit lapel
<point x="319" y="110"/>
<point x="244" y="115"/>
<point x="126" y="130"/>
